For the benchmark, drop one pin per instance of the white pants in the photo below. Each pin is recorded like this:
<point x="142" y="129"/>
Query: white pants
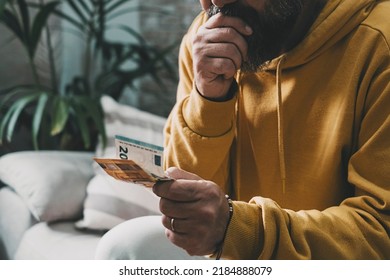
<point x="141" y="238"/>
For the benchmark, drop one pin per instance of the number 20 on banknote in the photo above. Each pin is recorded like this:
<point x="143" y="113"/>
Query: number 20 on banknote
<point x="148" y="156"/>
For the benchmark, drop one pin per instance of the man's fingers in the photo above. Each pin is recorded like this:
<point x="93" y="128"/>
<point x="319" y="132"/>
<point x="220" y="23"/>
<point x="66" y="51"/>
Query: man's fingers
<point x="220" y="20"/>
<point x="176" y="173"/>
<point x="178" y="225"/>
<point x="227" y="43"/>
<point x="182" y="190"/>
<point x="221" y="59"/>
<point x="174" y="190"/>
<point x="175" y="209"/>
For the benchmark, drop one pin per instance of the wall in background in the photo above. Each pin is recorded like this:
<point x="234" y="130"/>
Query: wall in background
<point x="165" y="29"/>
<point x="12" y="60"/>
<point x="14" y="64"/>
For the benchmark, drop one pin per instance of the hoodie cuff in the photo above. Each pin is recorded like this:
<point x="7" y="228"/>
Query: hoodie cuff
<point x="245" y="234"/>
<point x="206" y="117"/>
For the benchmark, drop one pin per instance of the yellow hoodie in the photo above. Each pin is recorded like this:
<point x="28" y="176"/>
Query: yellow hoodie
<point x="304" y="147"/>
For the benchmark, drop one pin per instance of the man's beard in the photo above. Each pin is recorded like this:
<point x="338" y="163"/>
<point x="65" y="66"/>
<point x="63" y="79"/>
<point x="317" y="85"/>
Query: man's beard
<point x="270" y="28"/>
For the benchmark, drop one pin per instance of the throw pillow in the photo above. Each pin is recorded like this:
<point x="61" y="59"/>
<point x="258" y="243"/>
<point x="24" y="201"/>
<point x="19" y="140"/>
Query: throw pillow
<point x="131" y="122"/>
<point x="109" y="201"/>
<point x="52" y="183"/>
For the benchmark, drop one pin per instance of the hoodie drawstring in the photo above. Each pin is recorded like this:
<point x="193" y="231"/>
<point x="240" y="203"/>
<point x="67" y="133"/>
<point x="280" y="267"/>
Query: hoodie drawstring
<point x="282" y="158"/>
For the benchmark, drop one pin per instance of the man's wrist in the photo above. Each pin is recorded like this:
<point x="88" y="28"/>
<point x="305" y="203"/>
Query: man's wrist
<point x="218" y="251"/>
<point x="228" y="96"/>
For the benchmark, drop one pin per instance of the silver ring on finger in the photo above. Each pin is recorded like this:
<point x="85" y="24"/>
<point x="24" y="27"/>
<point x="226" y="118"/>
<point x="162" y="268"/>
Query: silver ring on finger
<point x="172" y="224"/>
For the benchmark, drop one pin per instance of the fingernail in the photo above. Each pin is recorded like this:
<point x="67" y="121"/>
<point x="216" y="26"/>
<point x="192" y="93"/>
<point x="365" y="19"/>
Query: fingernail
<point x="169" y="171"/>
<point x="248" y="29"/>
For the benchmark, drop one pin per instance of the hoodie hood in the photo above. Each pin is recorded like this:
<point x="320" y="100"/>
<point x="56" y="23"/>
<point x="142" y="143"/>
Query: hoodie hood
<point x="337" y="19"/>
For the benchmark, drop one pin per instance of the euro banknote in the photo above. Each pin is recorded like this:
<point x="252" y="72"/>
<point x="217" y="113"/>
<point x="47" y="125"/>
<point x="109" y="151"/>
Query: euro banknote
<point x="137" y="162"/>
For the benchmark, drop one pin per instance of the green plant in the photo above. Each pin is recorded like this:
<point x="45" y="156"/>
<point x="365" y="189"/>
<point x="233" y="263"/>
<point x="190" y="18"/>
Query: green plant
<point x="59" y="116"/>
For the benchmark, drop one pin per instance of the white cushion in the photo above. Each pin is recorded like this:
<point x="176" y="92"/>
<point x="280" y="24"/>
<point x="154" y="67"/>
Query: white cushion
<point x="52" y="183"/>
<point x="12" y="208"/>
<point x="57" y="241"/>
<point x="109" y="202"/>
<point x="130" y="122"/>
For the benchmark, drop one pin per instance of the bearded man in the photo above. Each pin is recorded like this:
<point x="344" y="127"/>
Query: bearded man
<point x="283" y="105"/>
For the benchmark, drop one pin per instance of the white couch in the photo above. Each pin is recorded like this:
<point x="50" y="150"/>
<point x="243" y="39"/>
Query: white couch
<point x="57" y="205"/>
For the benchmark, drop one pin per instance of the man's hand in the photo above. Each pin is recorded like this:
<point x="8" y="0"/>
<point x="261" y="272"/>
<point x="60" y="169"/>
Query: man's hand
<point x="219" y="48"/>
<point x="199" y="209"/>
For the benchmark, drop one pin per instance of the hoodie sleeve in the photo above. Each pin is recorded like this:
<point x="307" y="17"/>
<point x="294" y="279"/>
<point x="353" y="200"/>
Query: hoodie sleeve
<point x="199" y="132"/>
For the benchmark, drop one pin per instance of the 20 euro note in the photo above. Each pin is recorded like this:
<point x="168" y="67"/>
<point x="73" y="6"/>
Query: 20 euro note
<point x="137" y="162"/>
<point x="146" y="155"/>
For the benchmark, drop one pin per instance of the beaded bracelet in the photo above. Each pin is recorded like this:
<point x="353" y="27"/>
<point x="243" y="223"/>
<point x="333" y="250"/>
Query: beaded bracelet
<point x="220" y="247"/>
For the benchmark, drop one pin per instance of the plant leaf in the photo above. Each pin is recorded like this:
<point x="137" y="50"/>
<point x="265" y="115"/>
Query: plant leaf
<point x="77" y="10"/>
<point x="17" y="108"/>
<point x="81" y="119"/>
<point x="101" y="19"/>
<point x="25" y="17"/>
<point x="95" y="112"/>
<point x="161" y="57"/>
<point x="2" y="6"/>
<point x="84" y="6"/>
<point x="69" y="19"/>
<point x="144" y="8"/>
<point x="40" y="22"/>
<point x="115" y="5"/>
<point x="11" y="21"/>
<point x="60" y="115"/>
<point x="36" y="124"/>
<point x="4" y="122"/>
<point x="133" y="33"/>
<point x="111" y="83"/>
<point x="8" y="94"/>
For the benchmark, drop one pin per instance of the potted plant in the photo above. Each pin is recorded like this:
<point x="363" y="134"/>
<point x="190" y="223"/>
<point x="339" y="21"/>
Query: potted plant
<point x="70" y="116"/>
